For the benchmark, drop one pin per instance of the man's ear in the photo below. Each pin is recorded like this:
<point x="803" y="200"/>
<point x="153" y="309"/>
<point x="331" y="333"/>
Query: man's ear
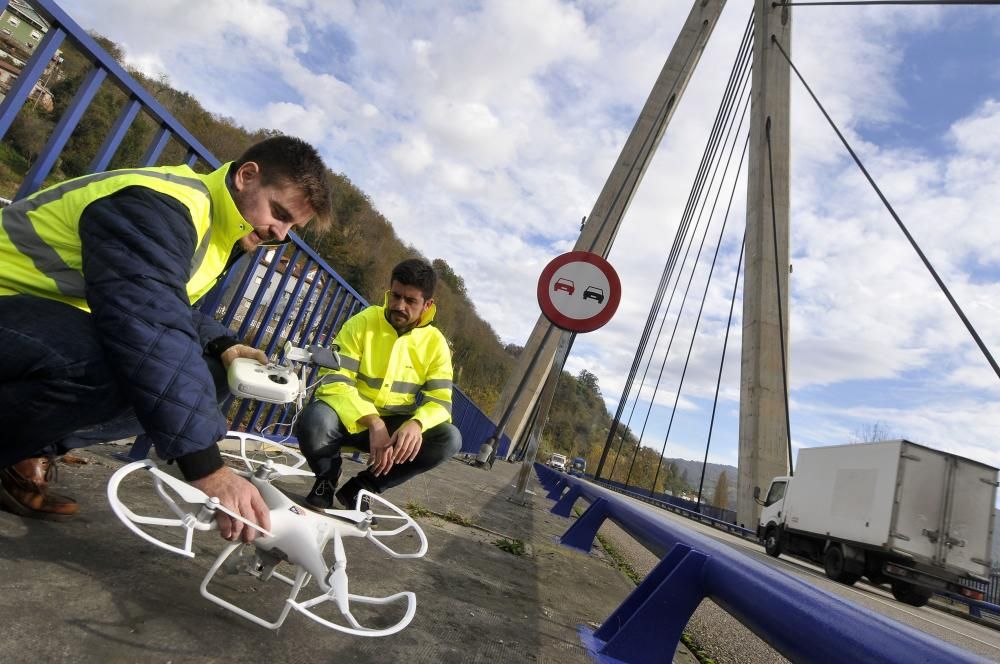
<point x="246" y="174"/>
<point x="428" y="303"/>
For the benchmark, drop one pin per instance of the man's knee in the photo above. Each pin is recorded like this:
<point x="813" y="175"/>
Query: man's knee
<point x="318" y="428"/>
<point x="447" y="440"/>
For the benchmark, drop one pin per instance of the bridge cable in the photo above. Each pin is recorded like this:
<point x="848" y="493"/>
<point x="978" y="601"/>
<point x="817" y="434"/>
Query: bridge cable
<point x="680" y="312"/>
<point x="704" y="297"/>
<point x="899" y="222"/>
<point x="661" y="288"/>
<point x="651" y="318"/>
<point x="777" y="290"/>
<point x="710" y="164"/>
<point x="722" y="363"/>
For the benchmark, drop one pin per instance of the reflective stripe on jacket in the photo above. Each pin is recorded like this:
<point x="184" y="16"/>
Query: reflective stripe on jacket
<point x="385" y="373"/>
<point x="40" y="236"/>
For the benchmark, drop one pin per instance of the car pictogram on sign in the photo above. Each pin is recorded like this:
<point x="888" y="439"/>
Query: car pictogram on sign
<point x="594" y="293"/>
<point x="565" y="285"/>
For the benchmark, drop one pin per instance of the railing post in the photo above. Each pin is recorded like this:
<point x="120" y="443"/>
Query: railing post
<point x="556" y="490"/>
<point x="564" y="507"/>
<point x="581" y="534"/>
<point x="654" y="615"/>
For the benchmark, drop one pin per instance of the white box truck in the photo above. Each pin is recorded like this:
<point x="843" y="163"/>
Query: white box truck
<point x="893" y="511"/>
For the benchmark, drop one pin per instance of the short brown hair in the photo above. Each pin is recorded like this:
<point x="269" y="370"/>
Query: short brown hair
<point x="290" y="159"/>
<point x="416" y="272"/>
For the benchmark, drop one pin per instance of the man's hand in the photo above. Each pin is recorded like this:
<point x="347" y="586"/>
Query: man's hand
<point x="242" y="498"/>
<point x="406" y="442"/>
<point x="240" y="350"/>
<point x="379" y="445"/>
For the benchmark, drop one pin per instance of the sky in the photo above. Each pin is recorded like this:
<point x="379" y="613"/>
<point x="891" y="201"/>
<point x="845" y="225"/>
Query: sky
<point x="485" y="130"/>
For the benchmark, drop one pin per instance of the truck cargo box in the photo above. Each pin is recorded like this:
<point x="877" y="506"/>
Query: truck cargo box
<point x="897" y="496"/>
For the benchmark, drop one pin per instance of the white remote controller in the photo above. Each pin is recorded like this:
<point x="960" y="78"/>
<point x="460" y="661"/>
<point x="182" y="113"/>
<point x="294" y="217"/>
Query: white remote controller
<point x="272" y="383"/>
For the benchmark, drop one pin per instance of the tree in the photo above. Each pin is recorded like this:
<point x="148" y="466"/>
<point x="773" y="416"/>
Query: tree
<point x="720" y="497"/>
<point x="873" y="433"/>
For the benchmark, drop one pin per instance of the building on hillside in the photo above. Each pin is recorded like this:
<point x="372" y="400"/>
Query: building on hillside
<point x="21" y="30"/>
<point x="39" y="93"/>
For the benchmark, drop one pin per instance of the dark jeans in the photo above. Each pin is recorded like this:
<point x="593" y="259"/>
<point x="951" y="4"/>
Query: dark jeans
<point x="321" y="437"/>
<point x="56" y="388"/>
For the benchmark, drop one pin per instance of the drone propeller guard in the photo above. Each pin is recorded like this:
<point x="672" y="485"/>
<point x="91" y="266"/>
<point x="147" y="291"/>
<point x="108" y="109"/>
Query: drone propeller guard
<point x="189" y="521"/>
<point x="265" y="445"/>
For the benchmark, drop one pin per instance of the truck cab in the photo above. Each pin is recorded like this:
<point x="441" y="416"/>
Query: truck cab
<point x="772" y="515"/>
<point x="558" y="462"/>
<point x="578" y="466"/>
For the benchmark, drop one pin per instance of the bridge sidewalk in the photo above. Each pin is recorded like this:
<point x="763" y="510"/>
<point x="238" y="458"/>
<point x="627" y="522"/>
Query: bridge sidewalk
<point x="89" y="591"/>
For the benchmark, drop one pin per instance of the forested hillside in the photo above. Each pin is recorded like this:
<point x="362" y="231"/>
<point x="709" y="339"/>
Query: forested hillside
<point x="362" y="247"/>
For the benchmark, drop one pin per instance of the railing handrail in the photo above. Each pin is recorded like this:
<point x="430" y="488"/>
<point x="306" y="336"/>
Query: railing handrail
<point x="802" y="622"/>
<point x="683" y="511"/>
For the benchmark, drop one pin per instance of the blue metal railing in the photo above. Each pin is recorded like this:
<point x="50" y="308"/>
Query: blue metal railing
<point x="275" y="295"/>
<point x="802" y="622"/>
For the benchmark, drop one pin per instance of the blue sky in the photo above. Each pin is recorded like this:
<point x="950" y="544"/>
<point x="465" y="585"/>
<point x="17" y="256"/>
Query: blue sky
<point x="485" y="130"/>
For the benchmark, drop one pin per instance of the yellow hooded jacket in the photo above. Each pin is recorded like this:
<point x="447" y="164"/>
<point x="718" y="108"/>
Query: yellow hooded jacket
<point x="383" y="372"/>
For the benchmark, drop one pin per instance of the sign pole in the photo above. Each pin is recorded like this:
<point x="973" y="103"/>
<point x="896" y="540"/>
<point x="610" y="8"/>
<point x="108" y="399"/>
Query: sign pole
<point x="538" y="425"/>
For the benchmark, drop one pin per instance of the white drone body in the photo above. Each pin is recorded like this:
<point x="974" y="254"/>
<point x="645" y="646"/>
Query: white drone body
<point x="297" y="535"/>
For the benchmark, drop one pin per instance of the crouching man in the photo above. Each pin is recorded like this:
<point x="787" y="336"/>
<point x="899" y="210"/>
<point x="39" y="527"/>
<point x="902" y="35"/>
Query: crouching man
<point x="391" y="395"/>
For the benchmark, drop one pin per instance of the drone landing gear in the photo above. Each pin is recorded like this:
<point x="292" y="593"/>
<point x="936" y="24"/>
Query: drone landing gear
<point x="262" y="567"/>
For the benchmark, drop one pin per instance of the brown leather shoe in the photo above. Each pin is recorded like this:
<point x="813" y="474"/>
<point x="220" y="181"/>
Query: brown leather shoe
<point x="24" y="490"/>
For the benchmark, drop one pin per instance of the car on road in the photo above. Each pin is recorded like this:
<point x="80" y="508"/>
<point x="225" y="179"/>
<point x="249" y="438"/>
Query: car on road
<point x="594" y="293"/>
<point x="565" y="285"/>
<point x="558" y="462"/>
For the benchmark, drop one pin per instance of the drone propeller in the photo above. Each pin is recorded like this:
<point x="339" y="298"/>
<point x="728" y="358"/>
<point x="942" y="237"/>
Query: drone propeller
<point x="278" y="469"/>
<point x="265" y="446"/>
<point x="351" y="516"/>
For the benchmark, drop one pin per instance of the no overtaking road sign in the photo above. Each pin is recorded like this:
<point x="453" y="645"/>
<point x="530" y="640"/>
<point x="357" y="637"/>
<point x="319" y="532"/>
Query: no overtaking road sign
<point x="579" y="291"/>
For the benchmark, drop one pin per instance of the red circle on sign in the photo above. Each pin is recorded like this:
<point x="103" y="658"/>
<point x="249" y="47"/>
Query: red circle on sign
<point x="568" y="323"/>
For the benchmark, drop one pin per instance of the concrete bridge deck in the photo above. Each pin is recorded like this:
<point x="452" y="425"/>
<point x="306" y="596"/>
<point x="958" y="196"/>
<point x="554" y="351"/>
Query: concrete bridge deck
<point x="88" y="590"/>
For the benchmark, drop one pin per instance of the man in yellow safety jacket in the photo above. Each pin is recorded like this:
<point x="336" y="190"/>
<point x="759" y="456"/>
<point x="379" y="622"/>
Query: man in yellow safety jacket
<point x="96" y="320"/>
<point x="391" y="395"/>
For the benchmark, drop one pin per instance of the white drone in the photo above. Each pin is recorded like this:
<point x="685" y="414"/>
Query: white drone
<point x="298" y="536"/>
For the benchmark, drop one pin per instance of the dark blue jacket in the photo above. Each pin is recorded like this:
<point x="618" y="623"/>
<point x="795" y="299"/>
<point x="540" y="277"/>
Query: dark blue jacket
<point x="137" y="249"/>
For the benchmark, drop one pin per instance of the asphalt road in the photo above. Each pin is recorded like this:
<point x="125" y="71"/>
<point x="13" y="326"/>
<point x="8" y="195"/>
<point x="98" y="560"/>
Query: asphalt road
<point x="726" y="640"/>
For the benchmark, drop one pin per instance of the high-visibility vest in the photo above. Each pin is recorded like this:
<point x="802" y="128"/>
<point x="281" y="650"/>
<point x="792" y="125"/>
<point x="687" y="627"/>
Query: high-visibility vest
<point x="40" y="238"/>
<point x="386" y="373"/>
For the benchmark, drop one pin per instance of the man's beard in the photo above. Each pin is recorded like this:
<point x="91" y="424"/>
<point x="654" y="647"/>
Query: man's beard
<point x="399" y="321"/>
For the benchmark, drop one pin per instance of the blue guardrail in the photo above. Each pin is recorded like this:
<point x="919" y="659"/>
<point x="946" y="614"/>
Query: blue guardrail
<point x="802" y="622"/>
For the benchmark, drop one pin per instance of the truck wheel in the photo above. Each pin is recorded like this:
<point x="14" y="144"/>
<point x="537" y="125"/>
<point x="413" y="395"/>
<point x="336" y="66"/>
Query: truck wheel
<point x="833" y="565"/>
<point x="772" y="541"/>
<point x="907" y="593"/>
